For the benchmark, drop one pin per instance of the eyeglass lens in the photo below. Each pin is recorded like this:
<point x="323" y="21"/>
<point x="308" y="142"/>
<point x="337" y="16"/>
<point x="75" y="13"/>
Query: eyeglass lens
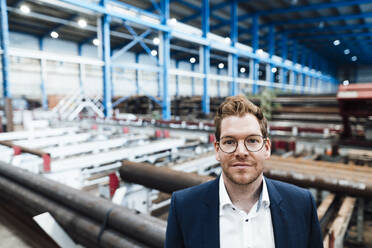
<point x="253" y="143"/>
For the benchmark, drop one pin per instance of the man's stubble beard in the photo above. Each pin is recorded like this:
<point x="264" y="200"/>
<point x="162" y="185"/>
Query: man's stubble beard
<point x="253" y="176"/>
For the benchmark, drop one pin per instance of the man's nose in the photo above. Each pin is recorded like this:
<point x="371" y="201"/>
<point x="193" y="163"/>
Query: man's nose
<point x="241" y="150"/>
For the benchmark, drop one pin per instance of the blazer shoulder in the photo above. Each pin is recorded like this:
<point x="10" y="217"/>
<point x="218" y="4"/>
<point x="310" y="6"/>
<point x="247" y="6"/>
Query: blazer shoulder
<point x="289" y="190"/>
<point x="197" y="192"/>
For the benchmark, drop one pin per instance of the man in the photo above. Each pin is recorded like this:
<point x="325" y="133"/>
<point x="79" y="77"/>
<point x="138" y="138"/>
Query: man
<point x="242" y="208"/>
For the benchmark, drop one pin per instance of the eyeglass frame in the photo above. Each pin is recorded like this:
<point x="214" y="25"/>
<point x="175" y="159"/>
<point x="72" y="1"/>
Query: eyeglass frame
<point x="237" y="144"/>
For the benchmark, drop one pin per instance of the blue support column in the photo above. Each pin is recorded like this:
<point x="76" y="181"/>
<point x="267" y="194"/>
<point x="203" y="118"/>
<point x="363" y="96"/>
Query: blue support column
<point x="137" y="74"/>
<point x="106" y="55"/>
<point x="158" y="81"/>
<point x="311" y="57"/>
<point x="271" y="42"/>
<point x="4" y="35"/>
<point x="177" y="79"/>
<point x="233" y="65"/>
<point x="255" y="41"/>
<point x="294" y="60"/>
<point x="193" y="81"/>
<point x="284" y="47"/>
<point x="165" y="61"/>
<point x="303" y="63"/>
<point x="44" y="98"/>
<point x="205" y="58"/>
<point x="81" y="70"/>
<point x="218" y="83"/>
<point x="112" y="77"/>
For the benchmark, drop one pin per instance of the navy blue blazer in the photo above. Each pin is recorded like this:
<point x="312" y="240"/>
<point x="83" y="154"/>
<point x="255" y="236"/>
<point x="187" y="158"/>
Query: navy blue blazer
<point x="193" y="220"/>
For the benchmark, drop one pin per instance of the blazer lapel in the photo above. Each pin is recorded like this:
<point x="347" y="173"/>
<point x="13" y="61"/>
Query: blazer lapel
<point x="210" y="216"/>
<point x="279" y="217"/>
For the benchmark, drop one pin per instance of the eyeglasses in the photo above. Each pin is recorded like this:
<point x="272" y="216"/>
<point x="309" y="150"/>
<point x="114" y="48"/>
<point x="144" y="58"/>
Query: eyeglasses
<point x="252" y="143"/>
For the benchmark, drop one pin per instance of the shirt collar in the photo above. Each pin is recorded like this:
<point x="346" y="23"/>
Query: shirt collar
<point x="225" y="200"/>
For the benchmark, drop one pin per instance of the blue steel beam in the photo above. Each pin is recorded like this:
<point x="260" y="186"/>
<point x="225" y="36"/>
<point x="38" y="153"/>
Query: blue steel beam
<point x="107" y="104"/>
<point x="101" y="10"/>
<point x="303" y="62"/>
<point x="59" y="25"/>
<point x="198" y="9"/>
<point x="234" y="40"/>
<point x="334" y="36"/>
<point x="193" y="80"/>
<point x="310" y="7"/>
<point x="205" y="58"/>
<point x="218" y="83"/>
<point x="143" y="44"/>
<point x="81" y="76"/>
<point x="138" y="10"/>
<point x="323" y="18"/>
<point x="284" y="53"/>
<point x="90" y="39"/>
<point x="328" y="28"/>
<point x="156" y="6"/>
<point x="198" y="13"/>
<point x="131" y="44"/>
<point x="44" y="98"/>
<point x="177" y="79"/>
<point x="137" y="74"/>
<point x="294" y="61"/>
<point x="296" y="9"/>
<point x="165" y="59"/>
<point x="255" y="43"/>
<point x="4" y="35"/>
<point x="271" y="50"/>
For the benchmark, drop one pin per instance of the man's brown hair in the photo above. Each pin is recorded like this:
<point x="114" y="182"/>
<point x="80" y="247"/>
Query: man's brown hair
<point x="238" y="106"/>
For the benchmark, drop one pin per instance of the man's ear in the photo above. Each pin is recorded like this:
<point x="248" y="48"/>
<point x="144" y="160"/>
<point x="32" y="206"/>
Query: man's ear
<point x="267" y="148"/>
<point x="216" y="149"/>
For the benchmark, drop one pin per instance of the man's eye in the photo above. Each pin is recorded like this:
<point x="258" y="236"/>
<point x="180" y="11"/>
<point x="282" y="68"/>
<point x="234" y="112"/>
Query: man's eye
<point x="229" y="142"/>
<point x="252" y="141"/>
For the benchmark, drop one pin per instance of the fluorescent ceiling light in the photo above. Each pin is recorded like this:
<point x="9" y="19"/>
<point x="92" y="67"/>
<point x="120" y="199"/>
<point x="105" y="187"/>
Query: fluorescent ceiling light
<point x="156" y="41"/>
<point x="173" y="21"/>
<point x="354" y="58"/>
<point x="96" y="42"/>
<point x="154" y="53"/>
<point x="336" y="42"/>
<point x="54" y="34"/>
<point x="25" y="9"/>
<point x="82" y="23"/>
<point x="346" y="51"/>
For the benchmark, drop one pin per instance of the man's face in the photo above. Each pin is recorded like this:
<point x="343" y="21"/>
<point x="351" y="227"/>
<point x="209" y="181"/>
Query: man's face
<point x="242" y="166"/>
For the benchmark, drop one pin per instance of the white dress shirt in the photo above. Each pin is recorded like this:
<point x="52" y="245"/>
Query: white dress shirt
<point x="241" y="230"/>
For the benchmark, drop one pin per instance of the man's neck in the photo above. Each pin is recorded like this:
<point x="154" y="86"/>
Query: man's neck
<point x="244" y="196"/>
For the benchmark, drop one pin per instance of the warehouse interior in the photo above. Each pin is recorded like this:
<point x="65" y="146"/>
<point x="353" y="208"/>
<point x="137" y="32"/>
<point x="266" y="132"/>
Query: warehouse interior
<point x="107" y="108"/>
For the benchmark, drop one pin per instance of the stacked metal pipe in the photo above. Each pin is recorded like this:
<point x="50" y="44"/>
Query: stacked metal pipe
<point x="81" y="215"/>
<point x="353" y="180"/>
<point x="161" y="178"/>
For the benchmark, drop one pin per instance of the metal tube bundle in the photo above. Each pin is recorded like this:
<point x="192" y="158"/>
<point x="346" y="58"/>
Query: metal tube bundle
<point x="160" y="178"/>
<point x="142" y="228"/>
<point x="69" y="219"/>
